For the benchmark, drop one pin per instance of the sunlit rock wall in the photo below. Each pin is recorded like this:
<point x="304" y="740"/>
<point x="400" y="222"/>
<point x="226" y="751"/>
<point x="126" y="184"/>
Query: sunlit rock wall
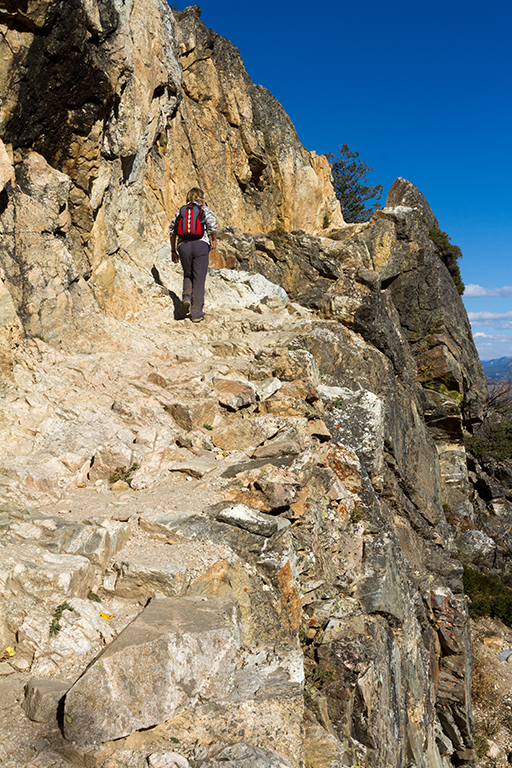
<point x="135" y="110"/>
<point x="235" y="138"/>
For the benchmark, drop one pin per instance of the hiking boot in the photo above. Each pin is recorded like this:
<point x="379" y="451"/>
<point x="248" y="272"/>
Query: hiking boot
<point x="197" y="319"/>
<point x="185" y="307"/>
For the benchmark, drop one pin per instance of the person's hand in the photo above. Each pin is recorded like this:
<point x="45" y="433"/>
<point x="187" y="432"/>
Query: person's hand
<point x="175" y="258"/>
<point x="214" y="246"/>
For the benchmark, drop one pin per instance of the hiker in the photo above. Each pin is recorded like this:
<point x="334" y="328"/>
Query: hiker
<point x="192" y="227"/>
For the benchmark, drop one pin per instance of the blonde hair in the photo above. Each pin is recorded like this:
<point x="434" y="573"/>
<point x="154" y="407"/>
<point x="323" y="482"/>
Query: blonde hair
<point x="195" y="194"/>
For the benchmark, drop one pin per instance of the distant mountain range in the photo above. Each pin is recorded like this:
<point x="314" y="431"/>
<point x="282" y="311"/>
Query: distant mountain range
<point x="500" y="368"/>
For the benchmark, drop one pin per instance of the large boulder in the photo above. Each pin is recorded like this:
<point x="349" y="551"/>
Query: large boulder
<point x="176" y="650"/>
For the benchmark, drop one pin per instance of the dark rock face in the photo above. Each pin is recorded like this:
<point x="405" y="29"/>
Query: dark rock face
<point x="386" y="281"/>
<point x="418" y="369"/>
<point x="402" y="192"/>
<point x="69" y="85"/>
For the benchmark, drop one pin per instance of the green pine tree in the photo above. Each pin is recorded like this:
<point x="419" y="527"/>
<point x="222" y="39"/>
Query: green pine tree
<point x="349" y="180"/>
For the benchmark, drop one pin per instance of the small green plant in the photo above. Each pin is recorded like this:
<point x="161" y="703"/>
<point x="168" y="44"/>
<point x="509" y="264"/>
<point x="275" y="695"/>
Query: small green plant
<point x="447" y="509"/>
<point x="357" y="514"/>
<point x="484" y="730"/>
<point x="453" y="393"/>
<point x="326" y="221"/>
<point x="338" y="403"/>
<point x="93" y="596"/>
<point x="318" y="676"/>
<point x="493" y="441"/>
<point x="449" y="254"/>
<point x="122" y="473"/>
<point x="487" y="596"/>
<point x="55" y="627"/>
<point x="208" y="427"/>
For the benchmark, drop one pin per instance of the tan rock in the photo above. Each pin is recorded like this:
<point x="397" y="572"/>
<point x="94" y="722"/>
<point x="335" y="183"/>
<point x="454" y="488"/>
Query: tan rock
<point x="119" y="485"/>
<point x="196" y="413"/>
<point x="269" y="487"/>
<point x="195" y="467"/>
<point x="494" y="641"/>
<point x="6" y="166"/>
<point x="30" y="570"/>
<point x="345" y="464"/>
<point x="242" y="516"/>
<point x="323" y="749"/>
<point x="289" y="608"/>
<point x="245" y="434"/>
<point x="167" y="760"/>
<point x="276" y="448"/>
<point x="140" y="577"/>
<point x="234" y="394"/>
<point x="292" y="364"/>
<point x="109" y="460"/>
<point x="6" y="669"/>
<point x="42" y="698"/>
<point x="34" y="221"/>
<point x="286" y="402"/>
<point x="267" y="714"/>
<point x="232" y="580"/>
<point x="317" y="428"/>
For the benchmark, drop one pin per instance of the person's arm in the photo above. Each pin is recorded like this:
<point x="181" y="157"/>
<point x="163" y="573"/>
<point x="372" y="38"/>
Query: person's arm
<point x="174" y="253"/>
<point x="211" y="226"/>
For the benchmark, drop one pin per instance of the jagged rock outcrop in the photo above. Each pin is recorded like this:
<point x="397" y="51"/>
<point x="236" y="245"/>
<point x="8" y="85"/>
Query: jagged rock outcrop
<point x="402" y="192"/>
<point x="291" y="462"/>
<point x="386" y="281"/>
<point x="237" y="139"/>
<point x="136" y="111"/>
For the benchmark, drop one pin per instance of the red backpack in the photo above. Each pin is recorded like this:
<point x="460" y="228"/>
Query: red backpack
<point x="191" y="222"/>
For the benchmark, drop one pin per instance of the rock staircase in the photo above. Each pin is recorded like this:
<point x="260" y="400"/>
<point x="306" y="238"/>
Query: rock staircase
<point x="198" y="560"/>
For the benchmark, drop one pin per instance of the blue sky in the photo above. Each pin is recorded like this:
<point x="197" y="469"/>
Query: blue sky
<point x="421" y="91"/>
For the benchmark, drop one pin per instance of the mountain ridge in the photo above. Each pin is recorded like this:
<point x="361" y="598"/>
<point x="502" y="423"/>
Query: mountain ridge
<point x="497" y="368"/>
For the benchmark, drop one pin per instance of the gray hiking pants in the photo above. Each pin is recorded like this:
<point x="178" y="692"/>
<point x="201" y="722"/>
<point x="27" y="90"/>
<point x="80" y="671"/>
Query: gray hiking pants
<point x="194" y="255"/>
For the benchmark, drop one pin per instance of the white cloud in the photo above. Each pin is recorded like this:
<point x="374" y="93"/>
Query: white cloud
<point x="487" y="338"/>
<point x="502" y="320"/>
<point x="492" y="345"/>
<point x="473" y="291"/>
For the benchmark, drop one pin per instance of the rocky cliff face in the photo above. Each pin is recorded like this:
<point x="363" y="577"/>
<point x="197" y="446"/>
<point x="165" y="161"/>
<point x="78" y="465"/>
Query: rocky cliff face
<point x="135" y="112"/>
<point x="225" y="544"/>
